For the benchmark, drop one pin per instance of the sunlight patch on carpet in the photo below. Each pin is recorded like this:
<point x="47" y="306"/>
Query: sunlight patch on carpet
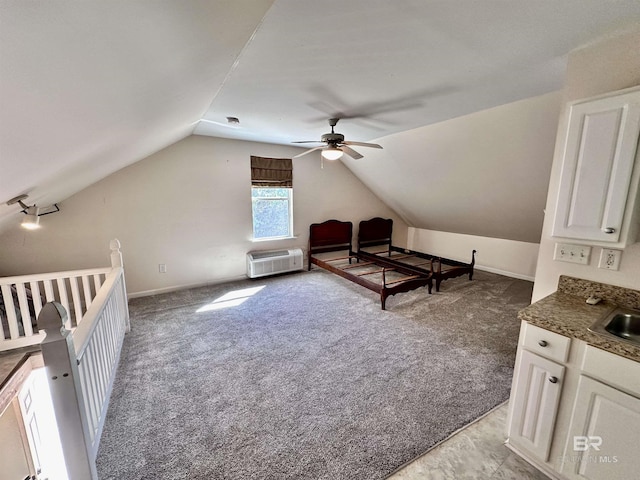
<point x="231" y="299"/>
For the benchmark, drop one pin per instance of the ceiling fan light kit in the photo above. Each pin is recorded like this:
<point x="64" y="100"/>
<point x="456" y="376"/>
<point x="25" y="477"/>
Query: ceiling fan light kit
<point x="332" y="153"/>
<point x="336" y="145"/>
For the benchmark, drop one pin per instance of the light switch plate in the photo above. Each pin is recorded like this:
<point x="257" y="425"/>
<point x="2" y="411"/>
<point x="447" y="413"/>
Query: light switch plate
<point x="566" y="252"/>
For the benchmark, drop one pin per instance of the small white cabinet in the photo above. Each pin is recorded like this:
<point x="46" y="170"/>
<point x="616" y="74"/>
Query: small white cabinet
<point x="574" y="410"/>
<point x="603" y="437"/>
<point x="535" y="397"/>
<point x="598" y="185"/>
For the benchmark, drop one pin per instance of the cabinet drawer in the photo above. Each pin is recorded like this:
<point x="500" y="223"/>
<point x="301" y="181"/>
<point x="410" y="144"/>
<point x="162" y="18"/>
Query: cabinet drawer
<point x="617" y="371"/>
<point x="545" y="343"/>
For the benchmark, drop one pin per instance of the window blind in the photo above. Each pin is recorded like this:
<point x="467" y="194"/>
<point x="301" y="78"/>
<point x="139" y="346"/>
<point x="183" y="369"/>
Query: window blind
<point x="271" y="172"/>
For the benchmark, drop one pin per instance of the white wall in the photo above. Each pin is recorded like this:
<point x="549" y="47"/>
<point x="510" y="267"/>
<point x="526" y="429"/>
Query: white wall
<point x="189" y="207"/>
<point x="484" y="174"/>
<point x="609" y="65"/>
<point x="13" y="461"/>
<point x="497" y="255"/>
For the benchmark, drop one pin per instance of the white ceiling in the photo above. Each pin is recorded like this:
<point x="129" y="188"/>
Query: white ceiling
<point x="87" y="88"/>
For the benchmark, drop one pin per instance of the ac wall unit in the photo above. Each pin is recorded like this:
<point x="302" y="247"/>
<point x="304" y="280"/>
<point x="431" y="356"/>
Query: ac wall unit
<point x="261" y="264"/>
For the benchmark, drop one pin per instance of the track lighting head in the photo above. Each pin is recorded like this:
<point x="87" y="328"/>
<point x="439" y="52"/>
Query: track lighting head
<point x="33" y="213"/>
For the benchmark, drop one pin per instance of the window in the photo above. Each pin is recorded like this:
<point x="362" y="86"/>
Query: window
<point x="272" y="210"/>
<point x="272" y="197"/>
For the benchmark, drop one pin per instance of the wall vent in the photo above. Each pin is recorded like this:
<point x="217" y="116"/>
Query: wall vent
<point x="272" y="262"/>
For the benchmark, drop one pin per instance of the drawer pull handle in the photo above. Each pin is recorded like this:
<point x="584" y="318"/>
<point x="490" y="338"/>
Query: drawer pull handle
<point x="543" y="343"/>
<point x="609" y="230"/>
<point x="553" y="379"/>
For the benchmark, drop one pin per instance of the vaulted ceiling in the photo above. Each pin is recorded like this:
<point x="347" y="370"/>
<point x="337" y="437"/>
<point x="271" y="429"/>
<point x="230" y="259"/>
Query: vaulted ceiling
<point x="87" y="88"/>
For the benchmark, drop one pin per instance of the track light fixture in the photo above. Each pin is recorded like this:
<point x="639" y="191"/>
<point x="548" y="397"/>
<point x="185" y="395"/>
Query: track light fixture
<point x="33" y="213"/>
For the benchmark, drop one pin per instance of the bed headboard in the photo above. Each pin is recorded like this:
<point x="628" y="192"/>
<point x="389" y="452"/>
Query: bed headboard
<point x="330" y="236"/>
<point x="376" y="231"/>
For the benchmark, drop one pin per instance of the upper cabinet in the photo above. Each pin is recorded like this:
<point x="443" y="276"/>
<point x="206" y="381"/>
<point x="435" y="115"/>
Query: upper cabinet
<point x="598" y="183"/>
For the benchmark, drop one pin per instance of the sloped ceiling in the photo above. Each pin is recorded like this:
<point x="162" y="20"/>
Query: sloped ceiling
<point x="87" y="88"/>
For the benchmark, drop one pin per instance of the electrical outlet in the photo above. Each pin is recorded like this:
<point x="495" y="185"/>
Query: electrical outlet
<point x="566" y="252"/>
<point x="610" y="259"/>
<point x="162" y="268"/>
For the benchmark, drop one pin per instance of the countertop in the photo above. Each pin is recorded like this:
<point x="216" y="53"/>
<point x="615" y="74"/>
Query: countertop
<point x="12" y="360"/>
<point x="566" y="312"/>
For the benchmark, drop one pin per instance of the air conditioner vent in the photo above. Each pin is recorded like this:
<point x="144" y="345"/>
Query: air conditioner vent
<point x="274" y="253"/>
<point x="263" y="263"/>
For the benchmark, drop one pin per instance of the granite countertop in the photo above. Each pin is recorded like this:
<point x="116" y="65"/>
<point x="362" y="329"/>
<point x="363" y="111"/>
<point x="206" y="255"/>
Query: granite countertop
<point x="566" y="312"/>
<point x="11" y="360"/>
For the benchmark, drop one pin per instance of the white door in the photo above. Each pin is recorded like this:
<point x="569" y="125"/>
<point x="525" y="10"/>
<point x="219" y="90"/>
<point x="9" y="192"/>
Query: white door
<point x="599" y="154"/>
<point x="604" y="436"/>
<point x="41" y="427"/>
<point x="534" y="403"/>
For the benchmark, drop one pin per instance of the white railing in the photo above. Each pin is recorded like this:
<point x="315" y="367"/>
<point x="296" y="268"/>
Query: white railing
<point x="81" y="353"/>
<point x="98" y="341"/>
<point x="22" y="297"/>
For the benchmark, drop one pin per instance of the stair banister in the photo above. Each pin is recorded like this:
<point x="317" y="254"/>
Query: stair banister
<point x="59" y="355"/>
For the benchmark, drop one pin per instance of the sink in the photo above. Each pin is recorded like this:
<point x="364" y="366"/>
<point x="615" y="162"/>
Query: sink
<point x="622" y="323"/>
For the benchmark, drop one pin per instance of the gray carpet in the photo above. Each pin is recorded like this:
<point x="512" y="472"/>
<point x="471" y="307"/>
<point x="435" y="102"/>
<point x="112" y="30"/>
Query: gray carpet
<point x="306" y="379"/>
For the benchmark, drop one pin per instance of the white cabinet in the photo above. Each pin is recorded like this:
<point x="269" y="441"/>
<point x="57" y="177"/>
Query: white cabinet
<point x="598" y="184"/>
<point x="602" y="443"/>
<point x="537" y="383"/>
<point x="534" y="401"/>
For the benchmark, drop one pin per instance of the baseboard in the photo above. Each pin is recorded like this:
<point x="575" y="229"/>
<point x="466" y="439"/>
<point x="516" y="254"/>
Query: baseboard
<point x="175" y="288"/>
<point x="504" y="272"/>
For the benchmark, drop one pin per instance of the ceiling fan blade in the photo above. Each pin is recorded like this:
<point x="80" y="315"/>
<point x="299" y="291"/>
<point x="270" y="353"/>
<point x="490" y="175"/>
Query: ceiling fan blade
<point x="351" y="152"/>
<point x="362" y="144"/>
<point x="308" y="151"/>
<point x="310" y="141"/>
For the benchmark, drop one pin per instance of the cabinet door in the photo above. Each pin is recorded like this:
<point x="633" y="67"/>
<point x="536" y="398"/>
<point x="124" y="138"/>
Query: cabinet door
<point x="535" y="403"/>
<point x="603" y="436"/>
<point x="599" y="154"/>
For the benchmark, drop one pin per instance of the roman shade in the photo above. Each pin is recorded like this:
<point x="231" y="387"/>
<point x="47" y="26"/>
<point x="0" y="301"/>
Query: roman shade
<point x="271" y="172"/>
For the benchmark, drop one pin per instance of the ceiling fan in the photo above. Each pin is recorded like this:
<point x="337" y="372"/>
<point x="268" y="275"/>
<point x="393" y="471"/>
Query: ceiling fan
<point x="336" y="145"/>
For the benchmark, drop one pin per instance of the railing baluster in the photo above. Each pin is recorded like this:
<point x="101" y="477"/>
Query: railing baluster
<point x="77" y="301"/>
<point x="89" y="364"/>
<point x="35" y="294"/>
<point x="86" y="288"/>
<point x="64" y="299"/>
<point x="96" y="342"/>
<point x="12" y="320"/>
<point x="109" y="323"/>
<point x="48" y="291"/>
<point x="97" y="282"/>
<point x="24" y="309"/>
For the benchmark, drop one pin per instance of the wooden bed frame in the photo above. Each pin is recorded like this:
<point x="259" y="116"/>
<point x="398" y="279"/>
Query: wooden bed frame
<point x="377" y="231"/>
<point x="393" y="277"/>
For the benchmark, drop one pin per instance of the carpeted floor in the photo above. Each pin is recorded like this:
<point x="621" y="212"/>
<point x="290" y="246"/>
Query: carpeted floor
<point x="305" y="378"/>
